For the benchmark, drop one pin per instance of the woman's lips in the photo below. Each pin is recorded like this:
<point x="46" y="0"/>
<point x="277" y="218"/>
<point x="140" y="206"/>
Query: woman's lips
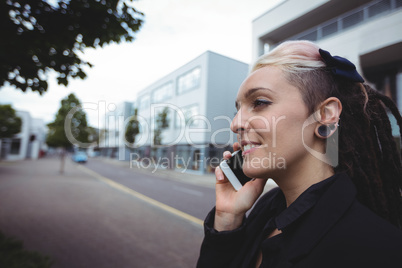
<point x="249" y="148"/>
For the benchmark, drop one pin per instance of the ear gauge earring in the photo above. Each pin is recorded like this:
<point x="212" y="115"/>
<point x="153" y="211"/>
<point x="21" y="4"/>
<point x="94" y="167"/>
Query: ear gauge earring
<point x="332" y="127"/>
<point x="325" y="130"/>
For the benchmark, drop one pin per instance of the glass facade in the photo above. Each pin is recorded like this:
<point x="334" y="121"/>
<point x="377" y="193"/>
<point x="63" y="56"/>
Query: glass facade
<point x="189" y="81"/>
<point x="345" y="21"/>
<point x="162" y="93"/>
<point x="189" y="112"/>
<point x="144" y="103"/>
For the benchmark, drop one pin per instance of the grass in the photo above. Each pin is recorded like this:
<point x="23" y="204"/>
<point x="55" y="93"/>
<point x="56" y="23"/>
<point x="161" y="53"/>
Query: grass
<point x="13" y="255"/>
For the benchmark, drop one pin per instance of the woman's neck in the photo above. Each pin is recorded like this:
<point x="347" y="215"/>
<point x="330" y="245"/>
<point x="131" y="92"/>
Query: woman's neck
<point x="293" y="184"/>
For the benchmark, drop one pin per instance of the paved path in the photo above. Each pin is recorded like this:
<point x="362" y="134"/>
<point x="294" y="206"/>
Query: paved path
<point x="80" y="221"/>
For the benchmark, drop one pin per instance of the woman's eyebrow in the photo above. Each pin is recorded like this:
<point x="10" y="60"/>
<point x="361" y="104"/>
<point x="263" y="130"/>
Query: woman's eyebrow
<point x="253" y="90"/>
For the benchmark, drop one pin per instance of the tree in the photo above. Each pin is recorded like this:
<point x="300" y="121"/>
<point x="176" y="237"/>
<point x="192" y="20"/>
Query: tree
<point x="162" y="123"/>
<point x="57" y="136"/>
<point x="93" y="135"/>
<point x="78" y="129"/>
<point x="42" y="35"/>
<point x="132" y="128"/>
<point x="10" y="123"/>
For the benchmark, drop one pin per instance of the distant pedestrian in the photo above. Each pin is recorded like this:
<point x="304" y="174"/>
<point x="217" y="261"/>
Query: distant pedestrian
<point x="339" y="202"/>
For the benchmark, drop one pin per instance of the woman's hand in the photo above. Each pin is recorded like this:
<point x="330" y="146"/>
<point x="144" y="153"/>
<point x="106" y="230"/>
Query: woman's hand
<point x="231" y="206"/>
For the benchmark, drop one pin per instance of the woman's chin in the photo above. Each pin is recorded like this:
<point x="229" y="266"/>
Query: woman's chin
<point x="254" y="172"/>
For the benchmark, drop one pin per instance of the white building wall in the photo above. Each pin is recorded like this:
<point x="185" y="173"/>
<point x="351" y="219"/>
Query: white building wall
<point x="30" y="127"/>
<point x="215" y="96"/>
<point x="224" y="78"/>
<point x="112" y="139"/>
<point x="280" y="15"/>
<point x="365" y="38"/>
<point x="283" y="21"/>
<point x="37" y="129"/>
<point x="23" y="136"/>
<point x="212" y="109"/>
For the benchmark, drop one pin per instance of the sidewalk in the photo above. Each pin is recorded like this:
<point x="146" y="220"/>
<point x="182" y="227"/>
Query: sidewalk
<point x="79" y="221"/>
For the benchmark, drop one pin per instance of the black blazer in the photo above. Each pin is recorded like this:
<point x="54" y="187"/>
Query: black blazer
<point x="337" y="232"/>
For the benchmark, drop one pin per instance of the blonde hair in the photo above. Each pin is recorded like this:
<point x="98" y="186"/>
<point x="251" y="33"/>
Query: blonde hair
<point x="292" y="56"/>
<point x="303" y="67"/>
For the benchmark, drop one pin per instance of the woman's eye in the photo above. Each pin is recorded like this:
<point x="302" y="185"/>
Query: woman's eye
<point x="261" y="102"/>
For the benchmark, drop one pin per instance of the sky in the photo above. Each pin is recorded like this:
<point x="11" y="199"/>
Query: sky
<point x="174" y="33"/>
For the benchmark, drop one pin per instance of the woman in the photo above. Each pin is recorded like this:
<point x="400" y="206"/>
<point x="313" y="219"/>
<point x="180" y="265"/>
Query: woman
<point x="339" y="198"/>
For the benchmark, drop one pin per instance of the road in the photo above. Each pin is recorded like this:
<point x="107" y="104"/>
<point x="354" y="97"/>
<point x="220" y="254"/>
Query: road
<point x="86" y="217"/>
<point x="195" y="200"/>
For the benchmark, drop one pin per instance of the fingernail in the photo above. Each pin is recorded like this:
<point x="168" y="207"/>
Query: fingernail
<point x="226" y="154"/>
<point x="219" y="177"/>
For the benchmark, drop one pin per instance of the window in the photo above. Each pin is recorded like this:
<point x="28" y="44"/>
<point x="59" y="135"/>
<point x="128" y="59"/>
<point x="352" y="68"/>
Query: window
<point x="163" y="93"/>
<point x="352" y="19"/>
<point x="312" y="36"/>
<point x="379" y="8"/>
<point x="15" y="146"/>
<point x="189" y="112"/>
<point x="330" y="29"/>
<point x="189" y="81"/>
<point x="144" y="103"/>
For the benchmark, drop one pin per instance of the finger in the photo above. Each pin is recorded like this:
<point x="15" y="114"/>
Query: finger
<point x="227" y="155"/>
<point x="220" y="177"/>
<point x="236" y="146"/>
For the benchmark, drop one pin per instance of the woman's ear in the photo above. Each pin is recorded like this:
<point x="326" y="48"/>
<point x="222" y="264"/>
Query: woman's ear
<point x="328" y="115"/>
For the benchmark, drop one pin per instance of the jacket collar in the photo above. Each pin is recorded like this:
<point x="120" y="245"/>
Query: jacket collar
<point x="327" y="211"/>
<point x="302" y="204"/>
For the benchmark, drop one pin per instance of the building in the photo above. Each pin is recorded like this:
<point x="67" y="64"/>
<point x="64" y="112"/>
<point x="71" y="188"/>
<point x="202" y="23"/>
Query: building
<point x="112" y="135"/>
<point x="367" y="32"/>
<point x="29" y="143"/>
<point x="198" y="99"/>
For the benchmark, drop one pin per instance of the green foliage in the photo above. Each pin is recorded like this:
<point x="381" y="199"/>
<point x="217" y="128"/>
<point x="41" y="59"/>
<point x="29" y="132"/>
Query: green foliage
<point x="162" y="123"/>
<point x="132" y="128"/>
<point x="40" y="35"/>
<point x="93" y="135"/>
<point x="13" y="255"/>
<point x="79" y="128"/>
<point x="10" y="123"/>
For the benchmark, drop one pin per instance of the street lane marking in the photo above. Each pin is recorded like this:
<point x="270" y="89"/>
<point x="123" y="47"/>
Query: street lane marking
<point x="144" y="198"/>
<point x="188" y="191"/>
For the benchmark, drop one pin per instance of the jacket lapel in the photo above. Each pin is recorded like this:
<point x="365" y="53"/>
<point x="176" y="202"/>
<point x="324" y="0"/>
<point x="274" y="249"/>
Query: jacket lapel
<point x="331" y="206"/>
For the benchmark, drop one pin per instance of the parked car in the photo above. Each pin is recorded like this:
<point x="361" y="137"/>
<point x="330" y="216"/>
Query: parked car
<point x="80" y="157"/>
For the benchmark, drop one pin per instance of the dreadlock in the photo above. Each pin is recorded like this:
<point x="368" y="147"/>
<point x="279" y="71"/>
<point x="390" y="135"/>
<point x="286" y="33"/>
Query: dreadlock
<point x="367" y="149"/>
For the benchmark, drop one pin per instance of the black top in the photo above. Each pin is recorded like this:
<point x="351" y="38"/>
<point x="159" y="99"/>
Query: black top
<point x="272" y="248"/>
<point x="324" y="227"/>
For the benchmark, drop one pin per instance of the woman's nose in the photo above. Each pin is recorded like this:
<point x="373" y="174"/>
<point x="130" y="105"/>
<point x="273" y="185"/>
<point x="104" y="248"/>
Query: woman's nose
<point x="238" y="124"/>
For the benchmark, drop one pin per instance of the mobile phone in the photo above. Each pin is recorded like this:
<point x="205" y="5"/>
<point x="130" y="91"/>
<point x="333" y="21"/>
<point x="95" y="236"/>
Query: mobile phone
<point x="233" y="170"/>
